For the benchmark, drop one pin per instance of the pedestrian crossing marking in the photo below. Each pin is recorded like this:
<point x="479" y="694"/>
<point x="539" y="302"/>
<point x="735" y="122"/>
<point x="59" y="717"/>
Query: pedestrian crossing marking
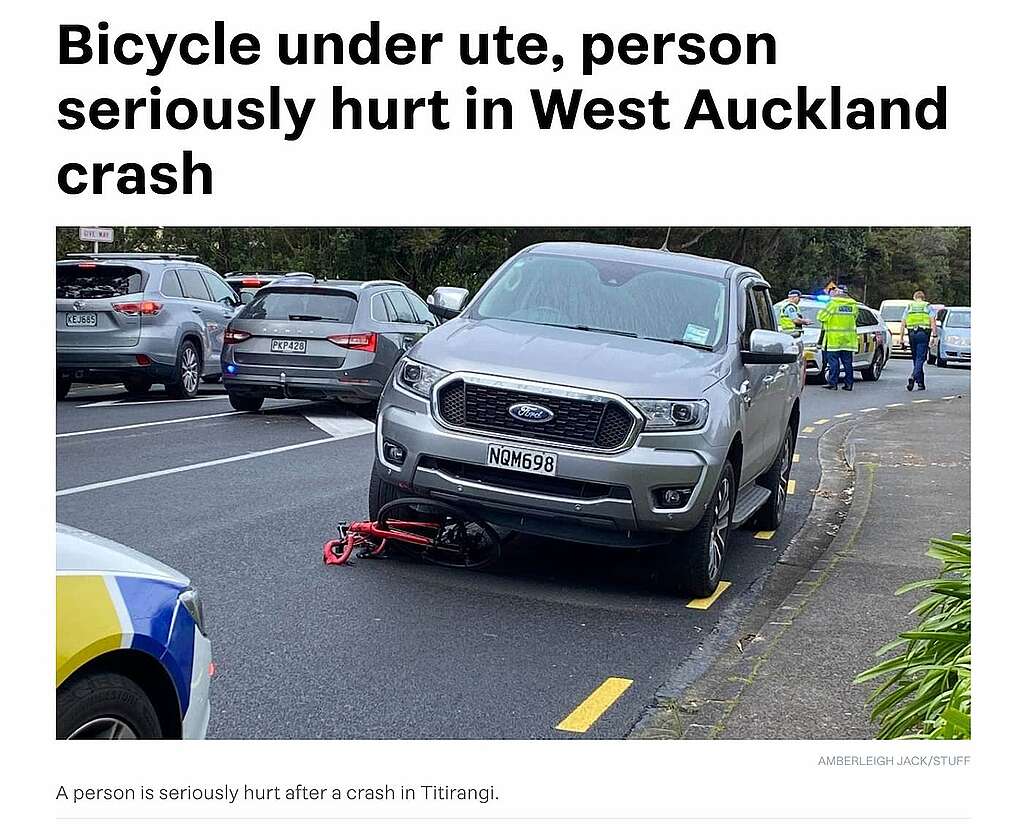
<point x="808" y="429"/>
<point x="594" y="706"/>
<point x="704" y="603"/>
<point x="791" y="488"/>
<point x="765" y="535"/>
<point x="821" y="422"/>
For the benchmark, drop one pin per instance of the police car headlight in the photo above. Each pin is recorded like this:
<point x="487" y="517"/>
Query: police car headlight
<point x="673" y="415"/>
<point x="956" y="340"/>
<point x="193" y="604"/>
<point x="418" y="378"/>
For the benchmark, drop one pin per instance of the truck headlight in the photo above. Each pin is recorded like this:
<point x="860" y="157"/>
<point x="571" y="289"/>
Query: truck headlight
<point x="673" y="415"/>
<point x="418" y="378"/>
<point x="191" y="601"/>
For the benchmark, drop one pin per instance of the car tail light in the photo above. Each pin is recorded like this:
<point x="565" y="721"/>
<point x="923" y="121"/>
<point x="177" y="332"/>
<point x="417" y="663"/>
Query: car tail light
<point x="87" y="264"/>
<point x="145" y="308"/>
<point x="251" y="282"/>
<point x="143" y="360"/>
<point x="356" y="341"/>
<point x="231" y="335"/>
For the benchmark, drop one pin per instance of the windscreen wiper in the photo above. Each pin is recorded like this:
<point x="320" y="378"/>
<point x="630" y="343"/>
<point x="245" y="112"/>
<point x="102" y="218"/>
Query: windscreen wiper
<point x="700" y="346"/>
<point x="600" y="330"/>
<point x="305" y="317"/>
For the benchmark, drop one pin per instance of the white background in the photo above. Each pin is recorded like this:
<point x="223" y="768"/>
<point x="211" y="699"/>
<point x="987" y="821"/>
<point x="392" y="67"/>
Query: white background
<point x="969" y="174"/>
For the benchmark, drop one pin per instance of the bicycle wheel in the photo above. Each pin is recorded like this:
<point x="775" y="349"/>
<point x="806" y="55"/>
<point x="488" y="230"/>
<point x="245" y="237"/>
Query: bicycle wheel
<point x="451" y="535"/>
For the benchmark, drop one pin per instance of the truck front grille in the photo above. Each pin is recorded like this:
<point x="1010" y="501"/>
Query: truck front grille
<point x="597" y="424"/>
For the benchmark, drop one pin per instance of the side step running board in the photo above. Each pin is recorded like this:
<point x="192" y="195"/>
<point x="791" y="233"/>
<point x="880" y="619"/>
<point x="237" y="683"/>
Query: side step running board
<point x="750" y="500"/>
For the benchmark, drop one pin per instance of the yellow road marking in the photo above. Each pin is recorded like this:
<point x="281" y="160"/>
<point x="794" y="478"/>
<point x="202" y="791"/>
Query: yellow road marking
<point x="704" y="603"/>
<point x="791" y="488"/>
<point x="796" y="458"/>
<point x="593" y="706"/>
<point x="821" y="422"/>
<point x="809" y="430"/>
<point x="847" y="414"/>
<point x="765" y="535"/>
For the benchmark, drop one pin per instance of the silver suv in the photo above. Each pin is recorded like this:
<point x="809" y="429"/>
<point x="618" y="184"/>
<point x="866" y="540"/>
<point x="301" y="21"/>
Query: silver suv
<point x="612" y="395"/>
<point x="140" y="318"/>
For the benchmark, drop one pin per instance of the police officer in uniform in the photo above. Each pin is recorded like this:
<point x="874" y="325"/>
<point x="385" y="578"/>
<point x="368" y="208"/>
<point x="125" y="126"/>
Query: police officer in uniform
<point x="919" y="321"/>
<point x="839" y="323"/>
<point x="790" y="318"/>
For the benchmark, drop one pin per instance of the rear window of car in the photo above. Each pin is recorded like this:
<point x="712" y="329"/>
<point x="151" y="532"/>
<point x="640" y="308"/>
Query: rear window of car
<point x="893" y="313"/>
<point x="97" y="281"/>
<point x="312" y="305"/>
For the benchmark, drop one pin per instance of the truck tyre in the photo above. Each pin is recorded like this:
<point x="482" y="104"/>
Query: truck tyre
<point x="105" y="706"/>
<point x="381" y="492"/>
<point x="692" y="566"/>
<point x="245" y="402"/>
<point x="776" y="480"/>
<point x="63" y="386"/>
<point x="188" y="368"/>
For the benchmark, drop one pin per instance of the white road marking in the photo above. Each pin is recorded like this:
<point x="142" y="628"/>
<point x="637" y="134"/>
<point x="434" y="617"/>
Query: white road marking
<point x="108" y="403"/>
<point x="132" y="426"/>
<point x="105" y="484"/>
<point x="951" y="397"/>
<point x="145" y="425"/>
<point x="840" y="416"/>
<point x="341" y="425"/>
<point x="894" y="405"/>
<point x="920" y="401"/>
<point x="865" y="410"/>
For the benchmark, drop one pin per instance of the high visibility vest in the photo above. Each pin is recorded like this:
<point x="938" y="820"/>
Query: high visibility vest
<point x="785" y="323"/>
<point x="839" y="320"/>
<point x="918" y="315"/>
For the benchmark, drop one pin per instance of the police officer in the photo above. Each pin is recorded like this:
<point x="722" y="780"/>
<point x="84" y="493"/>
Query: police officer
<point x="839" y="322"/>
<point x="920" y="322"/>
<point x="790" y="318"/>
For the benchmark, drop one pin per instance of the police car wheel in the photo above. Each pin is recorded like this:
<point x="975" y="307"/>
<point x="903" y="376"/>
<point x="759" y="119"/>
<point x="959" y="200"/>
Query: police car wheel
<point x="874" y="371"/>
<point x="105" y="706"/>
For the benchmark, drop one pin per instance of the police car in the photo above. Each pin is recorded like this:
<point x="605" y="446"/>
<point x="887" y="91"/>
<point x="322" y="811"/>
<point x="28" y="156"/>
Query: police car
<point x="874" y="345"/>
<point x="133" y="659"/>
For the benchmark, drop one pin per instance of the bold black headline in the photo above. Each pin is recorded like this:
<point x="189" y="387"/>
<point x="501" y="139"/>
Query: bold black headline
<point x="550" y="107"/>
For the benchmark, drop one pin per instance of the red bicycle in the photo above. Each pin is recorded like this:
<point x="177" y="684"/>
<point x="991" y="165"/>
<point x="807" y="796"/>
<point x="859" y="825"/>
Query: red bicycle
<point x="436" y="531"/>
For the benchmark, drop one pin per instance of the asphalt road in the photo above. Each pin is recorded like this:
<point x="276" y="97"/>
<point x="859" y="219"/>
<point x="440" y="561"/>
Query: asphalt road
<point x="391" y="648"/>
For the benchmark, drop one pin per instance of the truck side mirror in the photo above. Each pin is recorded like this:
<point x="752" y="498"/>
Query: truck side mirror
<point x="447" y="302"/>
<point x="771" y="348"/>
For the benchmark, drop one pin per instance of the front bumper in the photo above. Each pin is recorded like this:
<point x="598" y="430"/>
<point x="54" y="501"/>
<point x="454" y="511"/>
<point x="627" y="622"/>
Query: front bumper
<point x="961" y="354"/>
<point x="197" y="717"/>
<point x="599" y="498"/>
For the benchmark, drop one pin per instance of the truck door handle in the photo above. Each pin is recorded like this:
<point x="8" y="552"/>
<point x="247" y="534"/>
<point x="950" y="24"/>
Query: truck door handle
<point x="197" y="310"/>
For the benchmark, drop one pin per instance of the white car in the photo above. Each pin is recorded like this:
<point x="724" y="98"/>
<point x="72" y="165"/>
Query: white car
<point x="133" y="659"/>
<point x="874" y="342"/>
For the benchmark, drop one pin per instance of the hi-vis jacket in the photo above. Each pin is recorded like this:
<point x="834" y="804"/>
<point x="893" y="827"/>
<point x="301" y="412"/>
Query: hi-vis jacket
<point x="839" y="320"/>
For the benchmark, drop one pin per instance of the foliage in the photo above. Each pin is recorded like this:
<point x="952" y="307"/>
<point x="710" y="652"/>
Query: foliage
<point x="927" y="692"/>
<point x="876" y="262"/>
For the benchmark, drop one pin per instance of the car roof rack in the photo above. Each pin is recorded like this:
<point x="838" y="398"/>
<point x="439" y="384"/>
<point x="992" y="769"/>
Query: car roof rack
<point x="373" y="282"/>
<point x="187" y="257"/>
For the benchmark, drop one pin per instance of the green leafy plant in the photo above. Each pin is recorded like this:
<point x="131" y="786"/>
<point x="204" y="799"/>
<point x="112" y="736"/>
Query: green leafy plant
<point x="926" y="693"/>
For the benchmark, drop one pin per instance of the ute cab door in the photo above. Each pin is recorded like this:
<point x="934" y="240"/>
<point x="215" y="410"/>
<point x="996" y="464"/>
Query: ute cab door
<point x="757" y="416"/>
